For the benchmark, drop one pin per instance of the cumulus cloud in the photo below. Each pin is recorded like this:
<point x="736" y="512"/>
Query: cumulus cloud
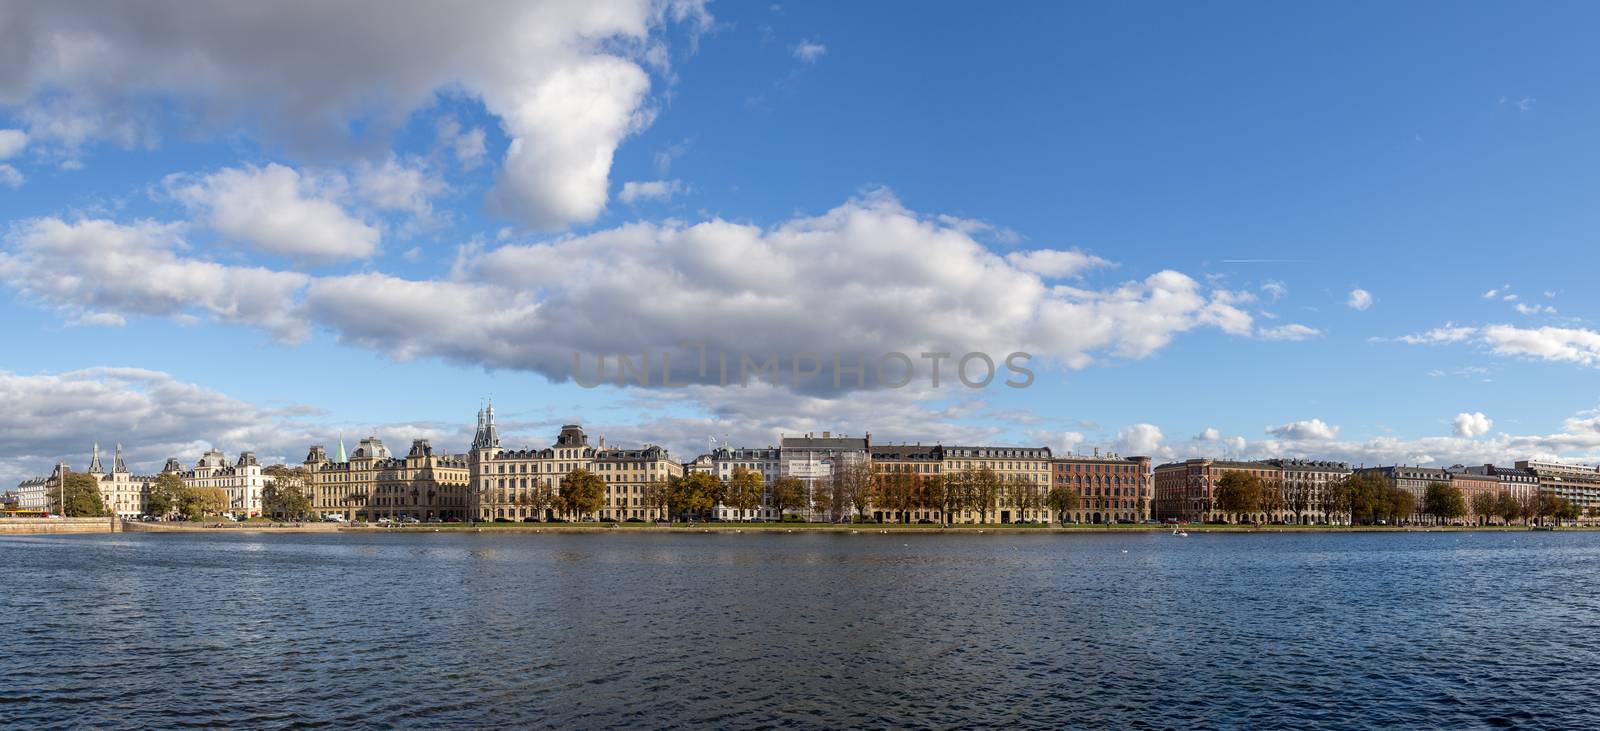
<point x="633" y="190"/>
<point x="101" y="268"/>
<point x="467" y="146"/>
<point x="1056" y="264"/>
<point x="1308" y="430"/>
<point x="1535" y="309"/>
<point x="1140" y="439"/>
<point x="1275" y="289"/>
<point x="278" y="210"/>
<point x="1560" y="344"/>
<point x="398" y="185"/>
<point x="808" y="51"/>
<point x="566" y="81"/>
<point x="1359" y="300"/>
<point x="1471" y="425"/>
<point x="862" y="279"/>
<point x="11" y="177"/>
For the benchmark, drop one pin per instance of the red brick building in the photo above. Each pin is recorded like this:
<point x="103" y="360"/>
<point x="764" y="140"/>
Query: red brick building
<point x="1109" y="488"/>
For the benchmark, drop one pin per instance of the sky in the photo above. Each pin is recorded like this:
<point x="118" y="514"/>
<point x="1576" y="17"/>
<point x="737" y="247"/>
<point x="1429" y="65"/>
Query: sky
<point x="1358" y="231"/>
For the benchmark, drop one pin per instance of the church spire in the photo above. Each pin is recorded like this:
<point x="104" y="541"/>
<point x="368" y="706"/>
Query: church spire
<point x="94" y="464"/>
<point x="491" y="437"/>
<point x="120" y="467"/>
<point x="340" y="457"/>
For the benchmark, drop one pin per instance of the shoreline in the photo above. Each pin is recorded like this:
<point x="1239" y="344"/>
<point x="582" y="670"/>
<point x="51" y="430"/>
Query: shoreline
<point x="792" y="528"/>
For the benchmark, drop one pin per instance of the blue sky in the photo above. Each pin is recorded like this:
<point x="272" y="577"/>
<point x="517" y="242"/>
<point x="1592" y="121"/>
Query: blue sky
<point x="456" y="222"/>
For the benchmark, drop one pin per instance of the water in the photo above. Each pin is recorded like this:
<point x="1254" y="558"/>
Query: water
<point x="1445" y="630"/>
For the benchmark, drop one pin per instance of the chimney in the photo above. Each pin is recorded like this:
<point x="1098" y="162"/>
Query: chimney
<point x="826" y="435"/>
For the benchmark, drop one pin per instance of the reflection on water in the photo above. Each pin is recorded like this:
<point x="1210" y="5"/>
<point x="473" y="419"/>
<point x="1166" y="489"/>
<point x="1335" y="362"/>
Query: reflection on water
<point x="799" y="630"/>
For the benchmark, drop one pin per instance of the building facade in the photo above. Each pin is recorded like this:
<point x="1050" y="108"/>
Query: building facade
<point x="1186" y="491"/>
<point x="1109" y="488"/>
<point x="1306" y="494"/>
<point x="1025" y="477"/>
<point x="525" y="484"/>
<point x="373" y="484"/>
<point x="721" y="463"/>
<point x="902" y="475"/>
<point x="1577" y="484"/>
<point x="243" y="480"/>
<point x="1414" y="480"/>
<point x="814" y="461"/>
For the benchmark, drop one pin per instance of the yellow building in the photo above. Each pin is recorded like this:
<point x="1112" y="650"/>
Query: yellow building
<point x="1025" y="481"/>
<point x="372" y="484"/>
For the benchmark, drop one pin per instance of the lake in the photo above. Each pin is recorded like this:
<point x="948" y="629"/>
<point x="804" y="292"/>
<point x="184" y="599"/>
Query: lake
<point x="930" y="631"/>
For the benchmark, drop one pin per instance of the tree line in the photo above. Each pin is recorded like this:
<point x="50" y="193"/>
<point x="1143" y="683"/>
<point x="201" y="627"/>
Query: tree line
<point x="1367" y="498"/>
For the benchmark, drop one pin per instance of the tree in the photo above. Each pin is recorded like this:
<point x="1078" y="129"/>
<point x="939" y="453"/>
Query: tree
<point x="693" y="494"/>
<point x="788" y="493"/>
<point x="1508" y="507"/>
<point x="1567" y="510"/>
<point x="582" y="492"/>
<point x="1062" y="500"/>
<point x="1335" y="499"/>
<point x="1028" y="496"/>
<point x="289" y="494"/>
<point x="658" y="496"/>
<point x="982" y="487"/>
<point x="745" y="490"/>
<point x="198" y="502"/>
<point x="1399" y="504"/>
<point x="1443" y="502"/>
<point x="82" y="495"/>
<point x="1368" y="497"/>
<point x="1239" y="492"/>
<point x="1297" y="498"/>
<point x="162" y="501"/>
<point x="1484" y="505"/>
<point x="852" y="487"/>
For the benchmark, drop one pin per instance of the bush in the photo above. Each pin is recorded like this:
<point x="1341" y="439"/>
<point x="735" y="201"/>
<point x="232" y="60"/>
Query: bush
<point x="792" y="519"/>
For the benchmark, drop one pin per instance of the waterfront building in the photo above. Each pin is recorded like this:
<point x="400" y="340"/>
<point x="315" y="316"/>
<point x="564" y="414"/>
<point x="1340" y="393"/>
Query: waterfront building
<point x="34" y="493"/>
<point x="1304" y="494"/>
<point x="1024" y="473"/>
<point x="722" y="461"/>
<point x="1414" y="480"/>
<point x="1185" y="490"/>
<point x="1520" y="483"/>
<point x="525" y="484"/>
<point x="901" y="476"/>
<point x="371" y="483"/>
<point x="1577" y="484"/>
<point x="1473" y="483"/>
<point x="242" y="481"/>
<point x="1110" y="487"/>
<point x="123" y="493"/>
<point x="814" y="461"/>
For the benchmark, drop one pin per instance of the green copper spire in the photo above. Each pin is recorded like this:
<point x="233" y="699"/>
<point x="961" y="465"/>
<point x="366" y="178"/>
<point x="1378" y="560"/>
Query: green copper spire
<point x="340" y="457"/>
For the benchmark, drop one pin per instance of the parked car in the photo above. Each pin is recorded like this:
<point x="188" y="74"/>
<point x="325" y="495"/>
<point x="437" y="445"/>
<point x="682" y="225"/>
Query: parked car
<point x="434" y="520"/>
<point x="409" y="519"/>
<point x="530" y="519"/>
<point x="635" y="520"/>
<point x="452" y="520"/>
<point x="504" y="520"/>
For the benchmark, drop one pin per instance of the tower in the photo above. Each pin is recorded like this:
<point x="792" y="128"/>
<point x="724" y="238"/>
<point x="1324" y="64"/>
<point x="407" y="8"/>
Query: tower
<point x="119" y="467"/>
<point x="94" y="463"/>
<point x="341" y="456"/>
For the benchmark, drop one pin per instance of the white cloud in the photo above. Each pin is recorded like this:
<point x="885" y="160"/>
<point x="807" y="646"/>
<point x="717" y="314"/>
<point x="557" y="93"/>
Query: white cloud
<point x="278" y="210"/>
<point x="864" y="278"/>
<point x="1560" y="344"/>
<point x="1140" y="439"/>
<point x="11" y="177"/>
<point x="1209" y="434"/>
<point x="1275" y="289"/>
<point x="98" y="268"/>
<point x="1294" y="332"/>
<point x="567" y="81"/>
<point x="1535" y="309"/>
<point x="1493" y="293"/>
<point x="1309" y="430"/>
<point x="1360" y="299"/>
<point x="1450" y="333"/>
<point x="11" y="142"/>
<point x="398" y="185"/>
<point x="1056" y="264"/>
<point x="633" y="191"/>
<point x="808" y="51"/>
<point x="468" y="146"/>
<point x="1472" y="425"/>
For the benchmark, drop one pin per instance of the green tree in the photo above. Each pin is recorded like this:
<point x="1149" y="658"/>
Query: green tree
<point x="788" y="493"/>
<point x="1399" y="504"/>
<point x="1443" y="501"/>
<point x="1567" y="510"/>
<point x="162" y="501"/>
<point x="288" y="496"/>
<point x="852" y="485"/>
<point x="198" y="502"/>
<point x="1028" y="496"/>
<point x="745" y="490"/>
<point x="1238" y="492"/>
<point x="1062" y="500"/>
<point x="1367" y="496"/>
<point x="693" y="494"/>
<point x="582" y="493"/>
<point x="1335" y="499"/>
<point x="82" y="495"/>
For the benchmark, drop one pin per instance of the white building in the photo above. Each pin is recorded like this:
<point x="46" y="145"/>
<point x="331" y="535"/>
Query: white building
<point x="123" y="492"/>
<point x="243" y="481"/>
<point x="723" y="461"/>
